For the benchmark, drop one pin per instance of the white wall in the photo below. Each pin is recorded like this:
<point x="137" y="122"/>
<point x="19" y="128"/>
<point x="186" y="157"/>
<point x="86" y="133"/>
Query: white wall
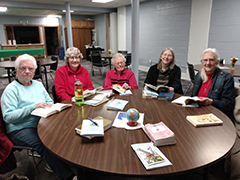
<point x="113" y="32"/>
<point x="199" y="29"/>
<point x="121" y="19"/>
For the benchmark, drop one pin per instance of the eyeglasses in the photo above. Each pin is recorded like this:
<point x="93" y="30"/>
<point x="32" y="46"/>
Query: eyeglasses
<point x="25" y="68"/>
<point x="120" y="63"/>
<point x="74" y="57"/>
<point x="206" y="60"/>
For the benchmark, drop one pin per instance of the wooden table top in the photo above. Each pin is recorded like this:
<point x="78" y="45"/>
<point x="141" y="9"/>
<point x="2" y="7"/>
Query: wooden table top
<point x="195" y="147"/>
<point x="10" y="64"/>
<point x="235" y="72"/>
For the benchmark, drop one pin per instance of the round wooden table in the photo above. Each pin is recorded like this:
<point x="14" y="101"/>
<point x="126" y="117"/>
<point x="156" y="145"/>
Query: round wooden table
<point x="195" y="148"/>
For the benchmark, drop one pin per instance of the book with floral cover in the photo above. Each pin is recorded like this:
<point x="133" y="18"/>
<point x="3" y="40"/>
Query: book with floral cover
<point x="150" y="156"/>
<point x="204" y="120"/>
<point x="159" y="134"/>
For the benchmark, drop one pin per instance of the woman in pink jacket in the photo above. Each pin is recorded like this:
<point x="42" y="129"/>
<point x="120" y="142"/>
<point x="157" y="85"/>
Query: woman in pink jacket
<point x="66" y="76"/>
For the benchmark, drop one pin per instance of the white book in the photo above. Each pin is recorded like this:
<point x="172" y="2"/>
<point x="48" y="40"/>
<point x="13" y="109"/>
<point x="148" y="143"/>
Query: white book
<point x="184" y="100"/>
<point x="91" y="129"/>
<point x="117" y="104"/>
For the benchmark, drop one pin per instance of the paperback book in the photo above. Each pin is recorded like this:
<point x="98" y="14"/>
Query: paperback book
<point x="204" y="120"/>
<point x="150" y="156"/>
<point x="185" y="100"/>
<point x="48" y="111"/>
<point x="96" y="100"/>
<point x="147" y="93"/>
<point x="159" y="134"/>
<point x="168" y="96"/>
<point x="121" y="90"/>
<point x="90" y="128"/>
<point x="117" y="104"/>
<point x="158" y="88"/>
<point x="107" y="124"/>
<point x="88" y="93"/>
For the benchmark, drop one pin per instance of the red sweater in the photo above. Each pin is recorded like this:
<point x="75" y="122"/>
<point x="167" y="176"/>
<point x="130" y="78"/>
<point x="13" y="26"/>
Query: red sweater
<point x="65" y="79"/>
<point x="127" y="76"/>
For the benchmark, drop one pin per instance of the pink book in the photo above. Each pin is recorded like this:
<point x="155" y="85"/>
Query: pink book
<point x="160" y="134"/>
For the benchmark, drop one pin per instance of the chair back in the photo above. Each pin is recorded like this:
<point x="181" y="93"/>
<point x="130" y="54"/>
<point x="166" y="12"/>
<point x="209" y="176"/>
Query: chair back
<point x="55" y="65"/>
<point x="12" y="58"/>
<point x="128" y="59"/>
<point x="191" y="72"/>
<point x="124" y="52"/>
<point x="54" y="94"/>
<point x="38" y="73"/>
<point x="96" y="58"/>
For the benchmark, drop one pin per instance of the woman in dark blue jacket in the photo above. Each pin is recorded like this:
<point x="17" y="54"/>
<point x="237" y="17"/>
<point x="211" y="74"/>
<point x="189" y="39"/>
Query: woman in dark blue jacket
<point x="213" y="85"/>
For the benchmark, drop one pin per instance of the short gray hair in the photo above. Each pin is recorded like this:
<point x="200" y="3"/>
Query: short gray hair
<point x="25" y="57"/>
<point x="115" y="56"/>
<point x="73" y="51"/>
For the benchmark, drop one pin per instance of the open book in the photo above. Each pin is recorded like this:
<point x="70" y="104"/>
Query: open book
<point x="45" y="112"/>
<point x="204" y="120"/>
<point x="106" y="125"/>
<point x="118" y="88"/>
<point x="158" y="88"/>
<point x="88" y="93"/>
<point x="184" y="100"/>
<point x="97" y="99"/>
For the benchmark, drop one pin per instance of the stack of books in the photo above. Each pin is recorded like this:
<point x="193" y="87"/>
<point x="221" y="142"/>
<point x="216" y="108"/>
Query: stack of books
<point x="159" y="134"/>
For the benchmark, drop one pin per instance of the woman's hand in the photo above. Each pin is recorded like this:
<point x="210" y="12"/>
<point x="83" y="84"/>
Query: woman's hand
<point x="204" y="101"/>
<point x="126" y="86"/>
<point x="170" y="89"/>
<point x="43" y="105"/>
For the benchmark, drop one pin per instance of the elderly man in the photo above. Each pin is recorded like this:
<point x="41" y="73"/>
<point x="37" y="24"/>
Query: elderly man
<point x="18" y="100"/>
<point x="213" y="85"/>
<point x="120" y="75"/>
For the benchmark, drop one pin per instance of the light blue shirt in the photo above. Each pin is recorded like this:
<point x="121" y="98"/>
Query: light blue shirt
<point x="18" y="101"/>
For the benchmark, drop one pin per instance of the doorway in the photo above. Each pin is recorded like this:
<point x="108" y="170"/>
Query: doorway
<point x="52" y="41"/>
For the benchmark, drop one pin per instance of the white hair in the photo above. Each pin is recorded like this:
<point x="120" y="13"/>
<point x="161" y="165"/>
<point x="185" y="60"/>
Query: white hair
<point x="115" y="56"/>
<point x="25" y="57"/>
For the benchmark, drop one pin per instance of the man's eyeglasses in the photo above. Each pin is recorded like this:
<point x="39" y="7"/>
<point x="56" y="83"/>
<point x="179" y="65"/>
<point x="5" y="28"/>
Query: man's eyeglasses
<point x="25" y="68"/>
<point x="120" y="63"/>
<point x="74" y="57"/>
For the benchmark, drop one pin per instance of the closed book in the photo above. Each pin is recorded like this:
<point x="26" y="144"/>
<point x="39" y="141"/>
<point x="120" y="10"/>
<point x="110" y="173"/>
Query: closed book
<point x="150" y="156"/>
<point x="204" y="120"/>
<point x="166" y="96"/>
<point x="159" y="134"/>
<point x="106" y="125"/>
<point x="92" y="129"/>
<point x="117" y="104"/>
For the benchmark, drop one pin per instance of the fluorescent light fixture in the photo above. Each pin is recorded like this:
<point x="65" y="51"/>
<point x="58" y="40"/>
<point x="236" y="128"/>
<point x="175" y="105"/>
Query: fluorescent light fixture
<point x="65" y="11"/>
<point x="3" y="9"/>
<point x="53" y="16"/>
<point x="101" y="1"/>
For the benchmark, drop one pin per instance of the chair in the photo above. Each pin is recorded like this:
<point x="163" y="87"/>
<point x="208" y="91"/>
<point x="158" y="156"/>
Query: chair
<point x="53" y="67"/>
<point x="192" y="76"/>
<point x="54" y="94"/>
<point x="97" y="61"/>
<point x="128" y="60"/>
<point x="38" y="72"/>
<point x="124" y="52"/>
<point x="30" y="150"/>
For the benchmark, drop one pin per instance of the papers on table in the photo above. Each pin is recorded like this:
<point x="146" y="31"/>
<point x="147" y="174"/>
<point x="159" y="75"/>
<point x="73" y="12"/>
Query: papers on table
<point x="121" y="121"/>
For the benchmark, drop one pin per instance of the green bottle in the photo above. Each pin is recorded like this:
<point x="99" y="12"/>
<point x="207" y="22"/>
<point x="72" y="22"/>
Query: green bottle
<point x="79" y="93"/>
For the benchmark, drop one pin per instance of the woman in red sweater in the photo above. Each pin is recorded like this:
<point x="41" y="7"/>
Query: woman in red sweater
<point x="66" y="76"/>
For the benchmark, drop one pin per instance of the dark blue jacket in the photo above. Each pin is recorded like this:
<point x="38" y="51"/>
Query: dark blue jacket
<point x="221" y="91"/>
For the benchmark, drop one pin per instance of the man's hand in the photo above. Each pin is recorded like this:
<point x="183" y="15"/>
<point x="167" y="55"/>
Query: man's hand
<point x="43" y="105"/>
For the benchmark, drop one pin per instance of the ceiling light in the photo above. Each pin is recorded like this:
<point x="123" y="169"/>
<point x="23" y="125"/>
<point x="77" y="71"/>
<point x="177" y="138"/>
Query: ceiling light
<point x="65" y="11"/>
<point x="101" y="1"/>
<point x="3" y="9"/>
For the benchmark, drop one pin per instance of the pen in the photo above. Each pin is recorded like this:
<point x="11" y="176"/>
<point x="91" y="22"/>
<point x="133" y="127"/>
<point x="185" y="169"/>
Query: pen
<point x="92" y="121"/>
